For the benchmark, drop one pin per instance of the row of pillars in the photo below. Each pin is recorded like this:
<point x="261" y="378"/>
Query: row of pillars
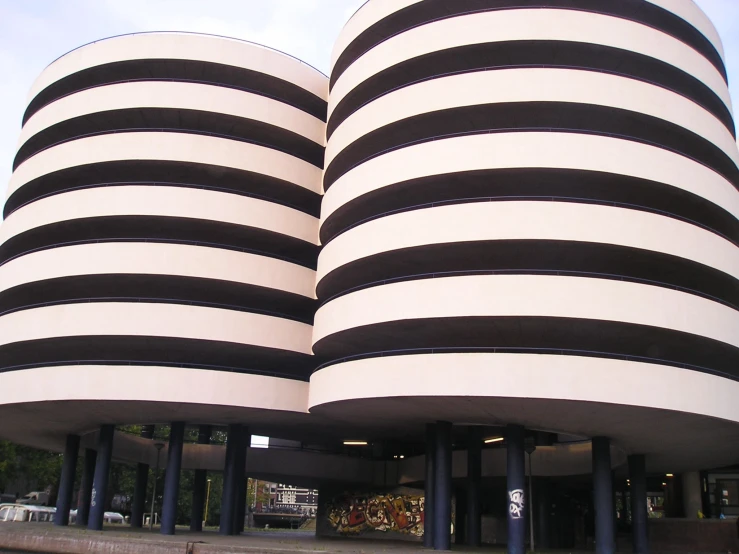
<point x="96" y="471"/>
<point x="438" y="493"/>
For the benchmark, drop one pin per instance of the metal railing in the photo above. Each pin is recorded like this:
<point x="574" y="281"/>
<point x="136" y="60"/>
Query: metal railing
<point x="523" y="272"/>
<point x="157" y="240"/>
<point x="158" y="300"/>
<point x="544" y="129"/>
<point x="332" y="127"/>
<point x="165" y="80"/>
<point x="186" y="33"/>
<point x="132" y="362"/>
<point x="181" y="130"/>
<point x="154" y="183"/>
<point x="513" y="5"/>
<point x="532" y="198"/>
<point x="525" y="350"/>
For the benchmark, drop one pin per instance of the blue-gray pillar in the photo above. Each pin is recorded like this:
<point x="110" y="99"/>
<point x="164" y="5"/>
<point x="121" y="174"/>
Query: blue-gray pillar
<point x="199" y="485"/>
<point x="88" y="473"/>
<point x="66" y="482"/>
<point x="102" y="474"/>
<point x="229" y="481"/>
<point x="443" y="487"/>
<point x="638" y="478"/>
<point x="429" y="496"/>
<point x="605" y="536"/>
<point x="142" y="479"/>
<point x="172" y="477"/>
<point x="474" y="480"/>
<point x="516" y="477"/>
<point x="241" y="498"/>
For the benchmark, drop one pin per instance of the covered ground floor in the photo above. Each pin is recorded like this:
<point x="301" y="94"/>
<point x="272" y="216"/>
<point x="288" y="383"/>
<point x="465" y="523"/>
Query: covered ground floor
<point x="461" y="486"/>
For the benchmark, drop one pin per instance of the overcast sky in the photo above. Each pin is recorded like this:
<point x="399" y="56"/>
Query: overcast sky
<point x="35" y="32"/>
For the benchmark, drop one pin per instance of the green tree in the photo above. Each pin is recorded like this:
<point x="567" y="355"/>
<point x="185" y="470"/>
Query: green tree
<point x="257" y="491"/>
<point x="8" y="464"/>
<point x="40" y="468"/>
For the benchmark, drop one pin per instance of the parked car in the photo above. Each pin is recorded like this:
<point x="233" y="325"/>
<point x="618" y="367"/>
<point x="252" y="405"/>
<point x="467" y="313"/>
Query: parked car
<point x="37" y="498"/>
<point x="108" y="517"/>
<point x="26" y="513"/>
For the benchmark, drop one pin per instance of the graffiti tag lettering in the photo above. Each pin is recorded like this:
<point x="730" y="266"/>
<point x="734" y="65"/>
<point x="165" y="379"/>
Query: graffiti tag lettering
<point x="516" y="505"/>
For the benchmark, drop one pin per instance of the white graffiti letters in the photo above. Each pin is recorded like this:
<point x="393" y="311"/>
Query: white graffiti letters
<point x="517" y="501"/>
<point x="92" y="498"/>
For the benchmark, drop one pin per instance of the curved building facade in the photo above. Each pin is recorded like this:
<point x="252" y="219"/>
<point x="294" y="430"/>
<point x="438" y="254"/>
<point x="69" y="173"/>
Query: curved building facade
<point x="495" y="216"/>
<point x="162" y="220"/>
<point x="529" y="209"/>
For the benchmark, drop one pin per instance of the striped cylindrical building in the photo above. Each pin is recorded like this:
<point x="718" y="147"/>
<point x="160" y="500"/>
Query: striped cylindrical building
<point x="509" y="220"/>
<point x="530" y="217"/>
<point x="161" y="229"/>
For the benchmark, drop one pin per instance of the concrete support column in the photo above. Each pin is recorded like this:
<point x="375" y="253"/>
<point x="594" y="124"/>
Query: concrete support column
<point x="638" y="478"/>
<point x="516" y="477"/>
<point x="88" y="473"/>
<point x="605" y="533"/>
<point x="230" y="474"/>
<point x="240" y="510"/>
<point x="142" y="479"/>
<point x="474" y="481"/>
<point x="172" y="477"/>
<point x="199" y="485"/>
<point x="102" y="474"/>
<point x="429" y="496"/>
<point x="139" y="495"/>
<point x="66" y="482"/>
<point x="443" y="487"/>
<point x="692" y="499"/>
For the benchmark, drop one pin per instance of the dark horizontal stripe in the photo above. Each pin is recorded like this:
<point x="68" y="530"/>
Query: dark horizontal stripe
<point x="535" y="184"/>
<point x="611" y="338"/>
<point x="537" y="257"/>
<point x="180" y="70"/>
<point x="532" y="116"/>
<point x="531" y="54"/>
<point x="169" y="289"/>
<point x="519" y="350"/>
<point x="159" y="229"/>
<point x="426" y="12"/>
<point x="149" y="350"/>
<point x="166" y="173"/>
<point x="173" y="120"/>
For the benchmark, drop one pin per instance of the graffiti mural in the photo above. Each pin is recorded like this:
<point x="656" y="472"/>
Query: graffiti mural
<point x="355" y="514"/>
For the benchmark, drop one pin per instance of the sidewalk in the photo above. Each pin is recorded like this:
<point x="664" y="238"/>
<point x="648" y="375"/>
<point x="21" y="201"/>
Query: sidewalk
<point x="116" y="539"/>
<point x="120" y="539"/>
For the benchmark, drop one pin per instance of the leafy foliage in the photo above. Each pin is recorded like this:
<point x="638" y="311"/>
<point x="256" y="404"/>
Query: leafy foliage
<point x="39" y="468"/>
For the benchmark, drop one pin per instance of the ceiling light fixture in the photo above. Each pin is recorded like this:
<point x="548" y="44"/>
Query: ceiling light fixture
<point x="494" y="439"/>
<point x="355" y="443"/>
